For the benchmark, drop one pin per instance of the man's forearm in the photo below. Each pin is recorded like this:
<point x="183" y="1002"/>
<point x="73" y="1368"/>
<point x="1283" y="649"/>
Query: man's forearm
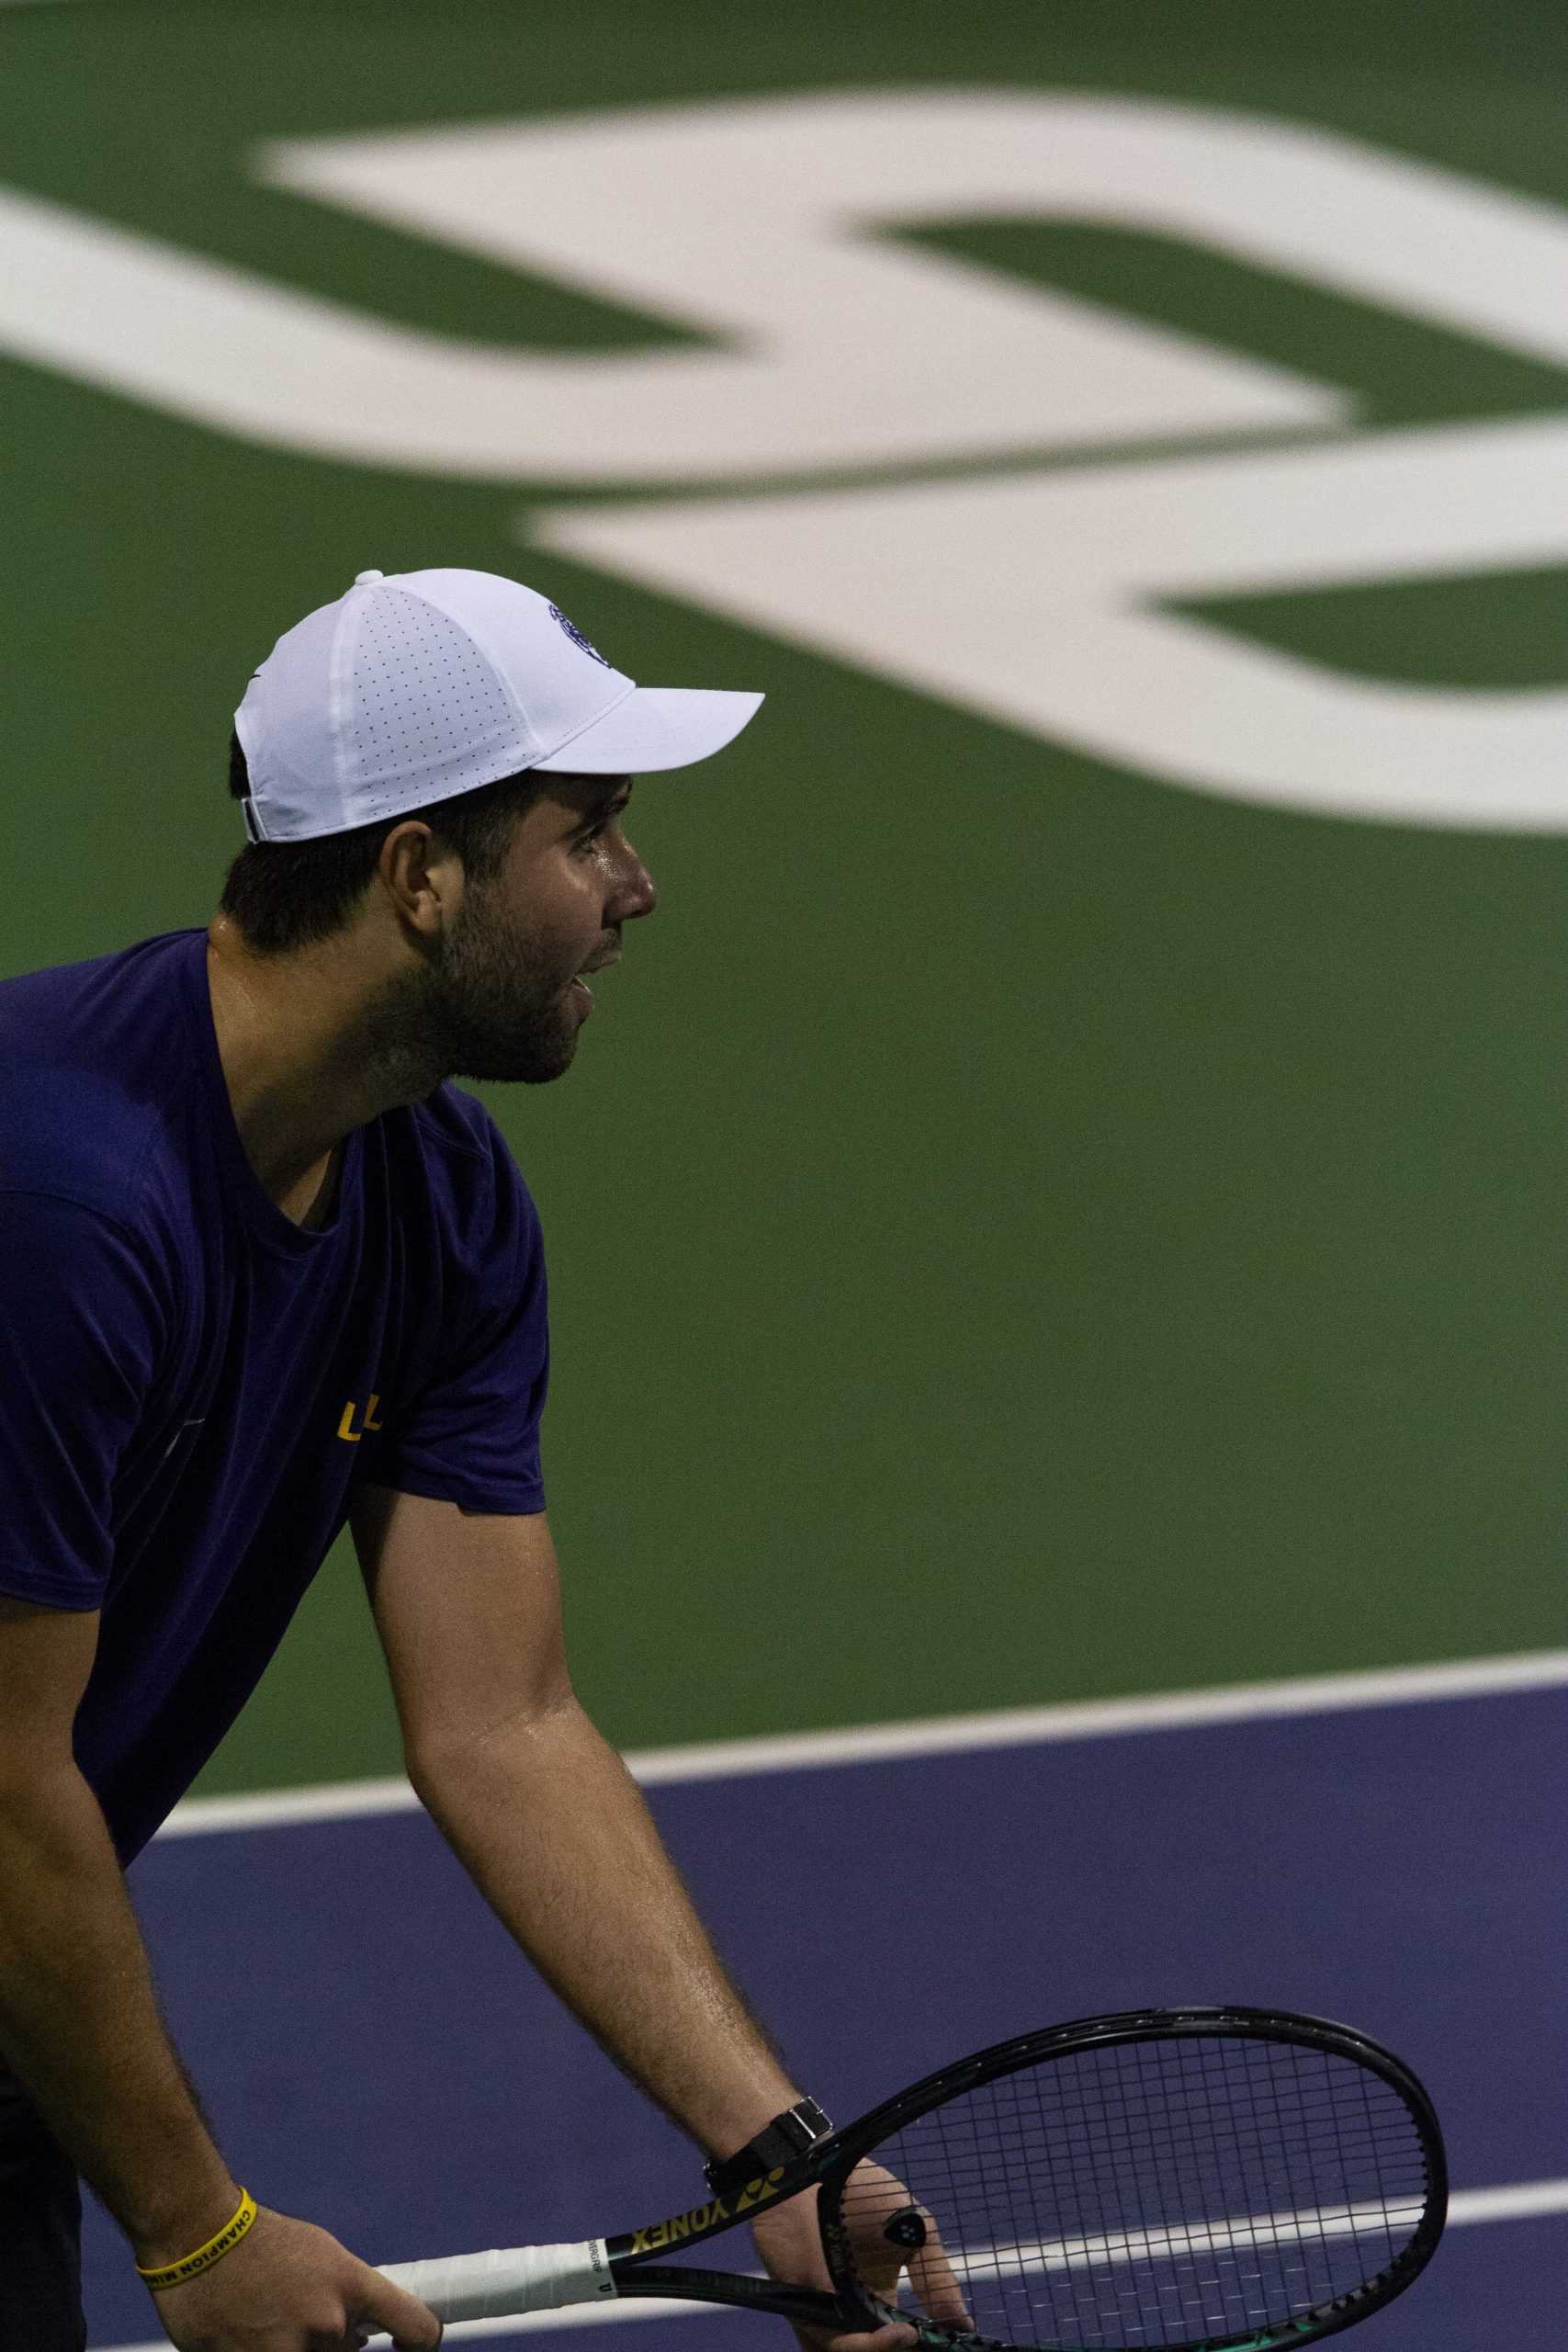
<point x="553" y="1830"/>
<point x="79" y="2023"/>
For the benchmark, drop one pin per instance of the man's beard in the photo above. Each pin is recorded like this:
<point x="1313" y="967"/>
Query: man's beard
<point x="490" y="1002"/>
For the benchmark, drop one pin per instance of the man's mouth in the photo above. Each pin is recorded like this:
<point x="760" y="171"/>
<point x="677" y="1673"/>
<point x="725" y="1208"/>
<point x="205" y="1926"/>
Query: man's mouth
<point x="598" y="963"/>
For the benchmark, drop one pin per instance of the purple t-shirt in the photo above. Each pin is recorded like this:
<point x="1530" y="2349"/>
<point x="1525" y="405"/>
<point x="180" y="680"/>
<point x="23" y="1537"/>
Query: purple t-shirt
<point x="190" y="1384"/>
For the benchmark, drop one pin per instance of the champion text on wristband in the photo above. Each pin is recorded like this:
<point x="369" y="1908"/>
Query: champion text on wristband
<point x="174" y="2274"/>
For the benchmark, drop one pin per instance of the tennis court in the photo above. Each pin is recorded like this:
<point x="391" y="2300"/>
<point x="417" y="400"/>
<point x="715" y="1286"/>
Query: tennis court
<point x="1368" y="1848"/>
<point x="1057" y="1230"/>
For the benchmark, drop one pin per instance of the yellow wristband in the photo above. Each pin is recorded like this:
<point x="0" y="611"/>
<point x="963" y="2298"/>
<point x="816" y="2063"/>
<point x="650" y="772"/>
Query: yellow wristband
<point x="173" y="2274"/>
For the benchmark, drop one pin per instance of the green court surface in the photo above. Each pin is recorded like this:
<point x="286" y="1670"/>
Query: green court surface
<point x="1027" y="1223"/>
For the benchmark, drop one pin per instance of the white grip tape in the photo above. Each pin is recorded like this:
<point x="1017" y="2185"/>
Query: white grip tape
<point x="508" y="2279"/>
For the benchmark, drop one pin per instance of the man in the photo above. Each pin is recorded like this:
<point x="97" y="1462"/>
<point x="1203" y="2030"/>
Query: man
<point x="267" y="1274"/>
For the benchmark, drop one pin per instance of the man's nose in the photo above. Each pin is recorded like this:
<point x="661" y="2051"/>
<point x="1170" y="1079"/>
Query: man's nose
<point x="637" y="893"/>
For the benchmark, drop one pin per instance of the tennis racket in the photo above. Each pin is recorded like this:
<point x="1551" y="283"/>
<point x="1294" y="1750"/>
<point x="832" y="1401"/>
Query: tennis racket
<point x="1191" y="2177"/>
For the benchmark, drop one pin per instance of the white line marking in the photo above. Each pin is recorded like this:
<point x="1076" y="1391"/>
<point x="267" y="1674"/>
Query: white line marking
<point x="938" y="1735"/>
<point x="283" y="1808"/>
<point x="1238" y="2231"/>
<point x="1517" y="2201"/>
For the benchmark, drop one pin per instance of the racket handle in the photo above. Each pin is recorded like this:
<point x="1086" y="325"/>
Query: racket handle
<point x="507" y="2281"/>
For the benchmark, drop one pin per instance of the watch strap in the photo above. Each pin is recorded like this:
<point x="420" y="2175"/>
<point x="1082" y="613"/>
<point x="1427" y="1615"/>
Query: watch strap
<point x="779" y="2143"/>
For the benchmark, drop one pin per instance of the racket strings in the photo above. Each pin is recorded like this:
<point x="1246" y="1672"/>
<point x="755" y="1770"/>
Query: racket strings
<point x="1157" y="2193"/>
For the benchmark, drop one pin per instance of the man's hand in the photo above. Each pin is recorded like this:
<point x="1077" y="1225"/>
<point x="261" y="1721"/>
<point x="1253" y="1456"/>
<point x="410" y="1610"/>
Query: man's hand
<point x="289" y="2287"/>
<point x="790" y="2243"/>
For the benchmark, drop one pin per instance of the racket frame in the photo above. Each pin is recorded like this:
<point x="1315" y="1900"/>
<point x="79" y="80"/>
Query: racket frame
<point x="829" y="2162"/>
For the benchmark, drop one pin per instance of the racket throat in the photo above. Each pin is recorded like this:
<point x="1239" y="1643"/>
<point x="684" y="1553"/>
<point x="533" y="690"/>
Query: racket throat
<point x="802" y="2305"/>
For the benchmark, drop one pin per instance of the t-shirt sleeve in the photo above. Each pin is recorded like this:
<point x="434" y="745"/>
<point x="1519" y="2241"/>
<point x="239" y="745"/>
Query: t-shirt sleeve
<point x="82" y="1333"/>
<point x="471" y="1434"/>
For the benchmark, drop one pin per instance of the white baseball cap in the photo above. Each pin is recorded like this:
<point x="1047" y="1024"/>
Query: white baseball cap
<point x="421" y="684"/>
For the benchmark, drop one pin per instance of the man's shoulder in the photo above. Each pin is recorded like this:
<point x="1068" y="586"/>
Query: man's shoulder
<point x="94" y="1063"/>
<point x="82" y="1137"/>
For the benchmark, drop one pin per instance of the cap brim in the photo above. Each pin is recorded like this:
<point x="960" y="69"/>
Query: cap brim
<point x="653" y="727"/>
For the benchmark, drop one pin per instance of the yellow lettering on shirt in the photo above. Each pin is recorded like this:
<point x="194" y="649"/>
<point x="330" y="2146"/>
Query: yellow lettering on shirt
<point x="345" y="1428"/>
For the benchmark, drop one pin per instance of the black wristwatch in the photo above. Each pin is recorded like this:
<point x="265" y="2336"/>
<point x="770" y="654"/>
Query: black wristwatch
<point x="787" y="2136"/>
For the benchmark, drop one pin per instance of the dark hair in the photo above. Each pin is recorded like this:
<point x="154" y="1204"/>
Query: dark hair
<point x="284" y="895"/>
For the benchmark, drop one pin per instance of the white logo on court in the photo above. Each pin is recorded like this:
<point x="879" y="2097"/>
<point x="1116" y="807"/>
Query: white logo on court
<point x="1040" y="596"/>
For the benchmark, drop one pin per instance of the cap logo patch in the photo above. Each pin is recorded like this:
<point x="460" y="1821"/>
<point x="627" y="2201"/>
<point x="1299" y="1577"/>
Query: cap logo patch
<point x="576" y="635"/>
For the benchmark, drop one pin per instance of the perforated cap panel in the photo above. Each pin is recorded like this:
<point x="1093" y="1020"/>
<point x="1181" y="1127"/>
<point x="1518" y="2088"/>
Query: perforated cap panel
<point x="422" y="701"/>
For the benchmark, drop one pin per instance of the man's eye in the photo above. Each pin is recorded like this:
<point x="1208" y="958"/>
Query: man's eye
<point x="597" y="831"/>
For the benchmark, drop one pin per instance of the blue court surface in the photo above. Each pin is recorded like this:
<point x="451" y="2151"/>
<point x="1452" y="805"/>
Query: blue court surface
<point x="376" y="2054"/>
